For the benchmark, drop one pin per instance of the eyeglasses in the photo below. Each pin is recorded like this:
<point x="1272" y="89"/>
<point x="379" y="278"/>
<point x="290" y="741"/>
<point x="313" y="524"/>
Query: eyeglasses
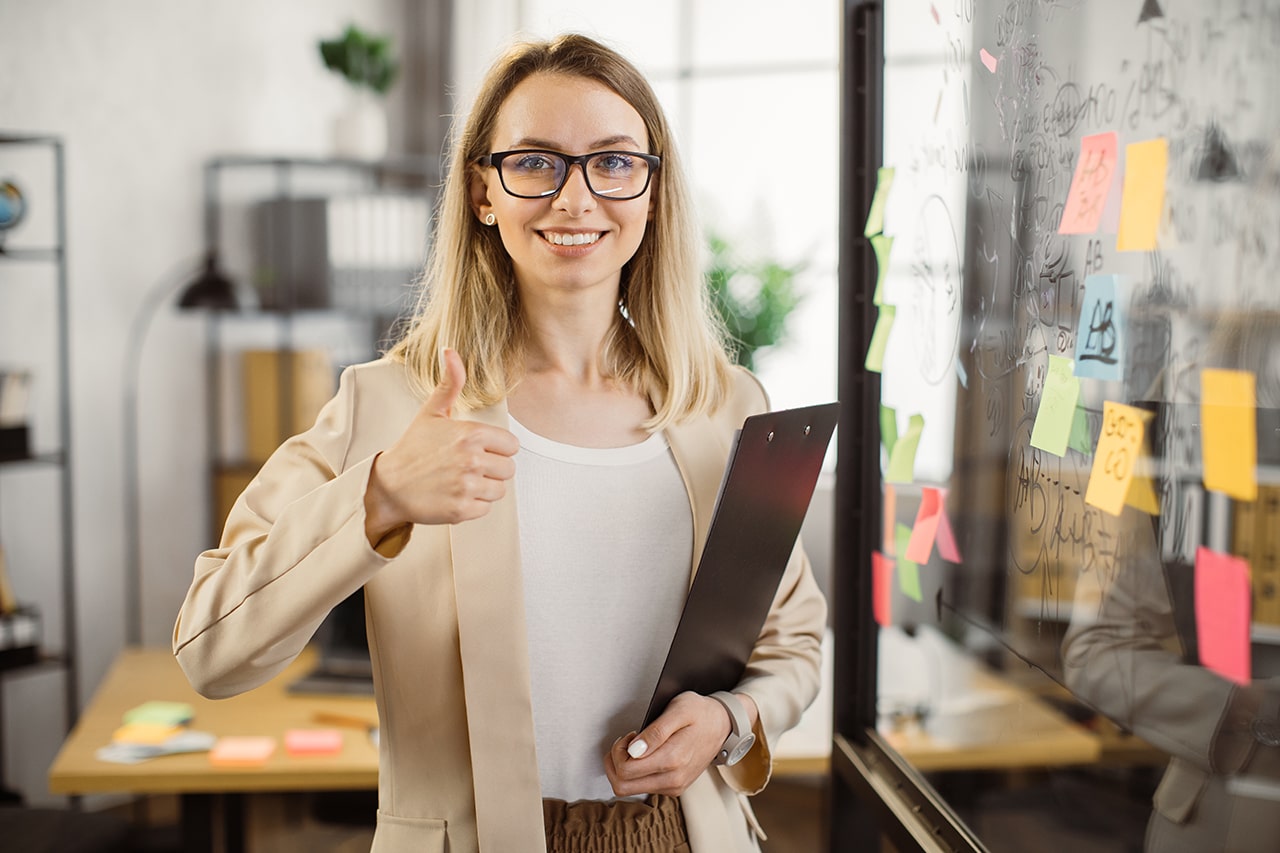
<point x="534" y="173"/>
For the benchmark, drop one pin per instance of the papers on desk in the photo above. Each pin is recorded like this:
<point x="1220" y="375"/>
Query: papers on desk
<point x="153" y="729"/>
<point x="184" y="740"/>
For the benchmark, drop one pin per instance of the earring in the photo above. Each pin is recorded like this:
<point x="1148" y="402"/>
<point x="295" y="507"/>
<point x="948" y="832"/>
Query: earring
<point x="490" y="219"/>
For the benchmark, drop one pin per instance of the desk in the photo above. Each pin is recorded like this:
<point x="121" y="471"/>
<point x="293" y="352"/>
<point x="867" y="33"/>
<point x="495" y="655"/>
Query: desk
<point x="140" y="675"/>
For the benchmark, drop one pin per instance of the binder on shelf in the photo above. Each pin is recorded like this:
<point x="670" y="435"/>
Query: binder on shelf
<point x="312" y="381"/>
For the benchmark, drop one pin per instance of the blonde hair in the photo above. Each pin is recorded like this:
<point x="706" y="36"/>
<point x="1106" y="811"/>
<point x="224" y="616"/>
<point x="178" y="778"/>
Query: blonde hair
<point x="666" y="341"/>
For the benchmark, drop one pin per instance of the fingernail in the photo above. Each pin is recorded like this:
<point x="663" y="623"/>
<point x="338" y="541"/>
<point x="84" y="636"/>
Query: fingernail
<point x="637" y="748"/>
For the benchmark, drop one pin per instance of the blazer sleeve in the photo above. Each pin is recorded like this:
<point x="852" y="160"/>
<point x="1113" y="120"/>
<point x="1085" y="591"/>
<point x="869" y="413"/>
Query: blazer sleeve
<point x="293" y="547"/>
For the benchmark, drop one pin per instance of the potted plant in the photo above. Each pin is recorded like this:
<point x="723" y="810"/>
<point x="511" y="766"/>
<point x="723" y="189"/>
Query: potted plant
<point x="752" y="298"/>
<point x="367" y="63"/>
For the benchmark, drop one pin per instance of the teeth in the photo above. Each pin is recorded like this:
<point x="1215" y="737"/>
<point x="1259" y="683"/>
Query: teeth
<point x="570" y="239"/>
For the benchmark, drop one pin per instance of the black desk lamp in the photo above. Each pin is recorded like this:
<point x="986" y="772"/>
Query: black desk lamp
<point x="210" y="290"/>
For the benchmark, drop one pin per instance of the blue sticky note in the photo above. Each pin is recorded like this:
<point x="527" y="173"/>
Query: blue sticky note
<point x="1100" y="336"/>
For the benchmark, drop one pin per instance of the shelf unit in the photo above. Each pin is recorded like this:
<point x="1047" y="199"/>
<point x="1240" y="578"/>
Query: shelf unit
<point x="290" y="183"/>
<point x="46" y="152"/>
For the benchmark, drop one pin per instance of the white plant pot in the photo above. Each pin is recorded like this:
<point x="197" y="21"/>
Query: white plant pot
<point x="360" y="130"/>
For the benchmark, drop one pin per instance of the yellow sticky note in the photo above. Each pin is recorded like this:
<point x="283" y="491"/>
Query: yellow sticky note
<point x="1142" y="199"/>
<point x="144" y="733"/>
<point x="1057" y="407"/>
<point x="902" y="462"/>
<point x="1119" y="449"/>
<point x="880" y="338"/>
<point x="875" y="217"/>
<point x="883" y="245"/>
<point x="1229" y="432"/>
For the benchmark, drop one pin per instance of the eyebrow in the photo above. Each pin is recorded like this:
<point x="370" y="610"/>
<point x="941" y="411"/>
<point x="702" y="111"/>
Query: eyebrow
<point x="534" y="142"/>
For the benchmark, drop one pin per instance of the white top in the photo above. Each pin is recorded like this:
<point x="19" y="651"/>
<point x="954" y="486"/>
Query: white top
<point x="606" y="544"/>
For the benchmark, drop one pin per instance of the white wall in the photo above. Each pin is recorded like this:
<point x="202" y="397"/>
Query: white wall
<point x="142" y="92"/>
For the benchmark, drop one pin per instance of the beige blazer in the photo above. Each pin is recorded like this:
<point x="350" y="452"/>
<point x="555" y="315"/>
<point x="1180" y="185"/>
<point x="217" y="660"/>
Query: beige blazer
<point x="445" y="613"/>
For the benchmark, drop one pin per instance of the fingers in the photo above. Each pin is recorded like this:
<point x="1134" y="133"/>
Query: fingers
<point x="671" y="752"/>
<point x="452" y="377"/>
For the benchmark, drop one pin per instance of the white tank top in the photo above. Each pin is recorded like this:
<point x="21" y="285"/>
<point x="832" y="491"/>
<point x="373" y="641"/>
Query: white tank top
<point x="606" y="543"/>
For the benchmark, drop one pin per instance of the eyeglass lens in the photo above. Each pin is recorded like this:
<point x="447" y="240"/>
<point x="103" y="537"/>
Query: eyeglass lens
<point x="610" y="174"/>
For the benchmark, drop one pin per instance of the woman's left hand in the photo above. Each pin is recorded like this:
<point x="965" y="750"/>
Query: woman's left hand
<point x="673" y="750"/>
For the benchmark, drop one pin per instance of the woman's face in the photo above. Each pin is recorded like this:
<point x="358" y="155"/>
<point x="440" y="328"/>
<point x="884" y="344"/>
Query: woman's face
<point x="574" y="241"/>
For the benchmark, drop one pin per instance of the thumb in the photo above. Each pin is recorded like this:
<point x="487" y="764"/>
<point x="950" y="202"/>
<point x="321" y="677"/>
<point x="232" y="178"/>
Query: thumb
<point x="453" y="376"/>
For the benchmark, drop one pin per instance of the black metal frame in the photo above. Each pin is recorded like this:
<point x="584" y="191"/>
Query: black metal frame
<point x="872" y="790"/>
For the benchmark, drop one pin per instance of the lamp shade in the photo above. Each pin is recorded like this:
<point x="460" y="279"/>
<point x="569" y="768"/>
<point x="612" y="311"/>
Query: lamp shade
<point x="210" y="289"/>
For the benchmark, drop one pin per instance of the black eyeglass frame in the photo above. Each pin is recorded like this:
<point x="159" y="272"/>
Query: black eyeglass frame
<point x="495" y="159"/>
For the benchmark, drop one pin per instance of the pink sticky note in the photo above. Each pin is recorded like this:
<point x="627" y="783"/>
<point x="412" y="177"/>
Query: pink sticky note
<point x="946" y="538"/>
<point x="1222" y="614"/>
<point x="241" y="751"/>
<point x="881" y="588"/>
<point x="926" y="527"/>
<point x="312" y="741"/>
<point x="988" y="60"/>
<point x="1095" y="174"/>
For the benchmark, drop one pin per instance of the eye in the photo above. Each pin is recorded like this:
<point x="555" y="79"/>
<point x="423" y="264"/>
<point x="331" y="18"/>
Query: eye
<point x="531" y="161"/>
<point x="613" y="163"/>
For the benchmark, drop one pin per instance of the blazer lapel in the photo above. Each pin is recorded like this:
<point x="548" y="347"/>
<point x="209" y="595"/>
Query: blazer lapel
<point x="700" y="452"/>
<point x="489" y="593"/>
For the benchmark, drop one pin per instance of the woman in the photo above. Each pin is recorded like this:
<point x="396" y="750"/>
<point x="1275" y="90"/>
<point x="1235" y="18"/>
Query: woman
<point x="517" y="623"/>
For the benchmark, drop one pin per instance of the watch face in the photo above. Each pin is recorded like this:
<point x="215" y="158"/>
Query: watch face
<point x="741" y="748"/>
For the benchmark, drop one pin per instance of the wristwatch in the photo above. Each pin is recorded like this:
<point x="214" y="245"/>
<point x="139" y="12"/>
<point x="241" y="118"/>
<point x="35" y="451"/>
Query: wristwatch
<point x="741" y="738"/>
<point x="1265" y="727"/>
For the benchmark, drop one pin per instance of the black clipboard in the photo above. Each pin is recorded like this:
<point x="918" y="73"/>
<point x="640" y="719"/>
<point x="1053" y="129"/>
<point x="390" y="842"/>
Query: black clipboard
<point x="764" y="496"/>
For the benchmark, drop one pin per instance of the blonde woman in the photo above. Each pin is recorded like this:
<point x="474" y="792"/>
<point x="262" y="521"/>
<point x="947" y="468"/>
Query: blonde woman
<point x="522" y="487"/>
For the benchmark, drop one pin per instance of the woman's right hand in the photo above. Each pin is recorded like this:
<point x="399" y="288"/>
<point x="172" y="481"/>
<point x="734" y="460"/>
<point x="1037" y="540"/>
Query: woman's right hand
<point x="440" y="471"/>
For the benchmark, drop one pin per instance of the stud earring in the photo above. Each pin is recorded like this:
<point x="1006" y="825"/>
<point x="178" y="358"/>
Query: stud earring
<point x="490" y="219"/>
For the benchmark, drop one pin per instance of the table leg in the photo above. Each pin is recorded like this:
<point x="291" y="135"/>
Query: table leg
<point x="233" y="823"/>
<point x="197" y="823"/>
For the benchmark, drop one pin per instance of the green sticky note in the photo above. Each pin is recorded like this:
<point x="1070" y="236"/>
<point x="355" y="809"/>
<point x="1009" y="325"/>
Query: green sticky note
<point x="908" y="572"/>
<point x="1057" y="407"/>
<point x="888" y="428"/>
<point x="875" y="218"/>
<point x="1080" y="439"/>
<point x="883" y="245"/>
<point x="165" y="713"/>
<point x="880" y="338"/>
<point x="902" y="461"/>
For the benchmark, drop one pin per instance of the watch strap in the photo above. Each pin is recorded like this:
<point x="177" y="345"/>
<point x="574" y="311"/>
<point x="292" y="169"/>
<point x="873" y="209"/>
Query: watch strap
<point x="739" y="722"/>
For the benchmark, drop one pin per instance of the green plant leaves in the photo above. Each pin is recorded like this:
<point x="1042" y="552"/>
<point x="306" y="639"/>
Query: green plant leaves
<point x="364" y="60"/>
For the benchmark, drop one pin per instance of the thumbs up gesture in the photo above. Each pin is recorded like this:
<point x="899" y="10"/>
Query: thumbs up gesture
<point x="439" y="471"/>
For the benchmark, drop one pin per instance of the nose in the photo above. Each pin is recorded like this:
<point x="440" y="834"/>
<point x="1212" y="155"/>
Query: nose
<point x="575" y="196"/>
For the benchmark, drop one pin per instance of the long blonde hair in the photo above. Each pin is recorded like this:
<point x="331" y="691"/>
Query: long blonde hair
<point x="665" y="342"/>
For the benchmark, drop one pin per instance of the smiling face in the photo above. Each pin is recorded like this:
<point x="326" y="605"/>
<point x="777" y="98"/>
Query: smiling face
<point x="573" y="241"/>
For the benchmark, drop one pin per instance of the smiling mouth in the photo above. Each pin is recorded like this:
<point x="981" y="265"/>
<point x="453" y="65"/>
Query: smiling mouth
<point x="583" y="239"/>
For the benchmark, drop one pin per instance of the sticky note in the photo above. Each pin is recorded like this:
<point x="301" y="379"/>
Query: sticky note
<point x="1142" y="492"/>
<point x="1057" y="407"/>
<point x="902" y="462"/>
<point x="312" y="741"/>
<point x="1095" y="173"/>
<point x="1222" y="614"/>
<point x="988" y="60"/>
<point x="925" y="530"/>
<point x="908" y="572"/>
<point x="1081" y="439"/>
<point x="880" y="338"/>
<point x="242" y="751"/>
<point x="1119" y="448"/>
<point x="890" y="518"/>
<point x="1142" y="199"/>
<point x="882" y="245"/>
<point x="1229" y="432"/>
<point x="946" y="538"/>
<point x="888" y="427"/>
<point x="881" y="588"/>
<point x="169" y="713"/>
<point x="875" y="217"/>
<point x="1100" y="333"/>
<point x="145" y="733"/>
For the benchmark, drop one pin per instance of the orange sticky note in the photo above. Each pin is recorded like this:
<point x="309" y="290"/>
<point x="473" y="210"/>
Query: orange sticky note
<point x="242" y="751"/>
<point x="1087" y="198"/>
<point x="1222" y="614"/>
<point x="926" y="526"/>
<point x="946" y="539"/>
<point x="1142" y="200"/>
<point x="312" y="741"/>
<point x="1119" y="448"/>
<point x="881" y="588"/>
<point x="1229" y="432"/>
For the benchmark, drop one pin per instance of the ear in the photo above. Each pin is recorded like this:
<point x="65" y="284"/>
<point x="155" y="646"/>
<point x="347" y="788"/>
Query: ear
<point x="478" y="189"/>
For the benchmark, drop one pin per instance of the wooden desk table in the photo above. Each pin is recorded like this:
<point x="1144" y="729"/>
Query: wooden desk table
<point x="141" y="675"/>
